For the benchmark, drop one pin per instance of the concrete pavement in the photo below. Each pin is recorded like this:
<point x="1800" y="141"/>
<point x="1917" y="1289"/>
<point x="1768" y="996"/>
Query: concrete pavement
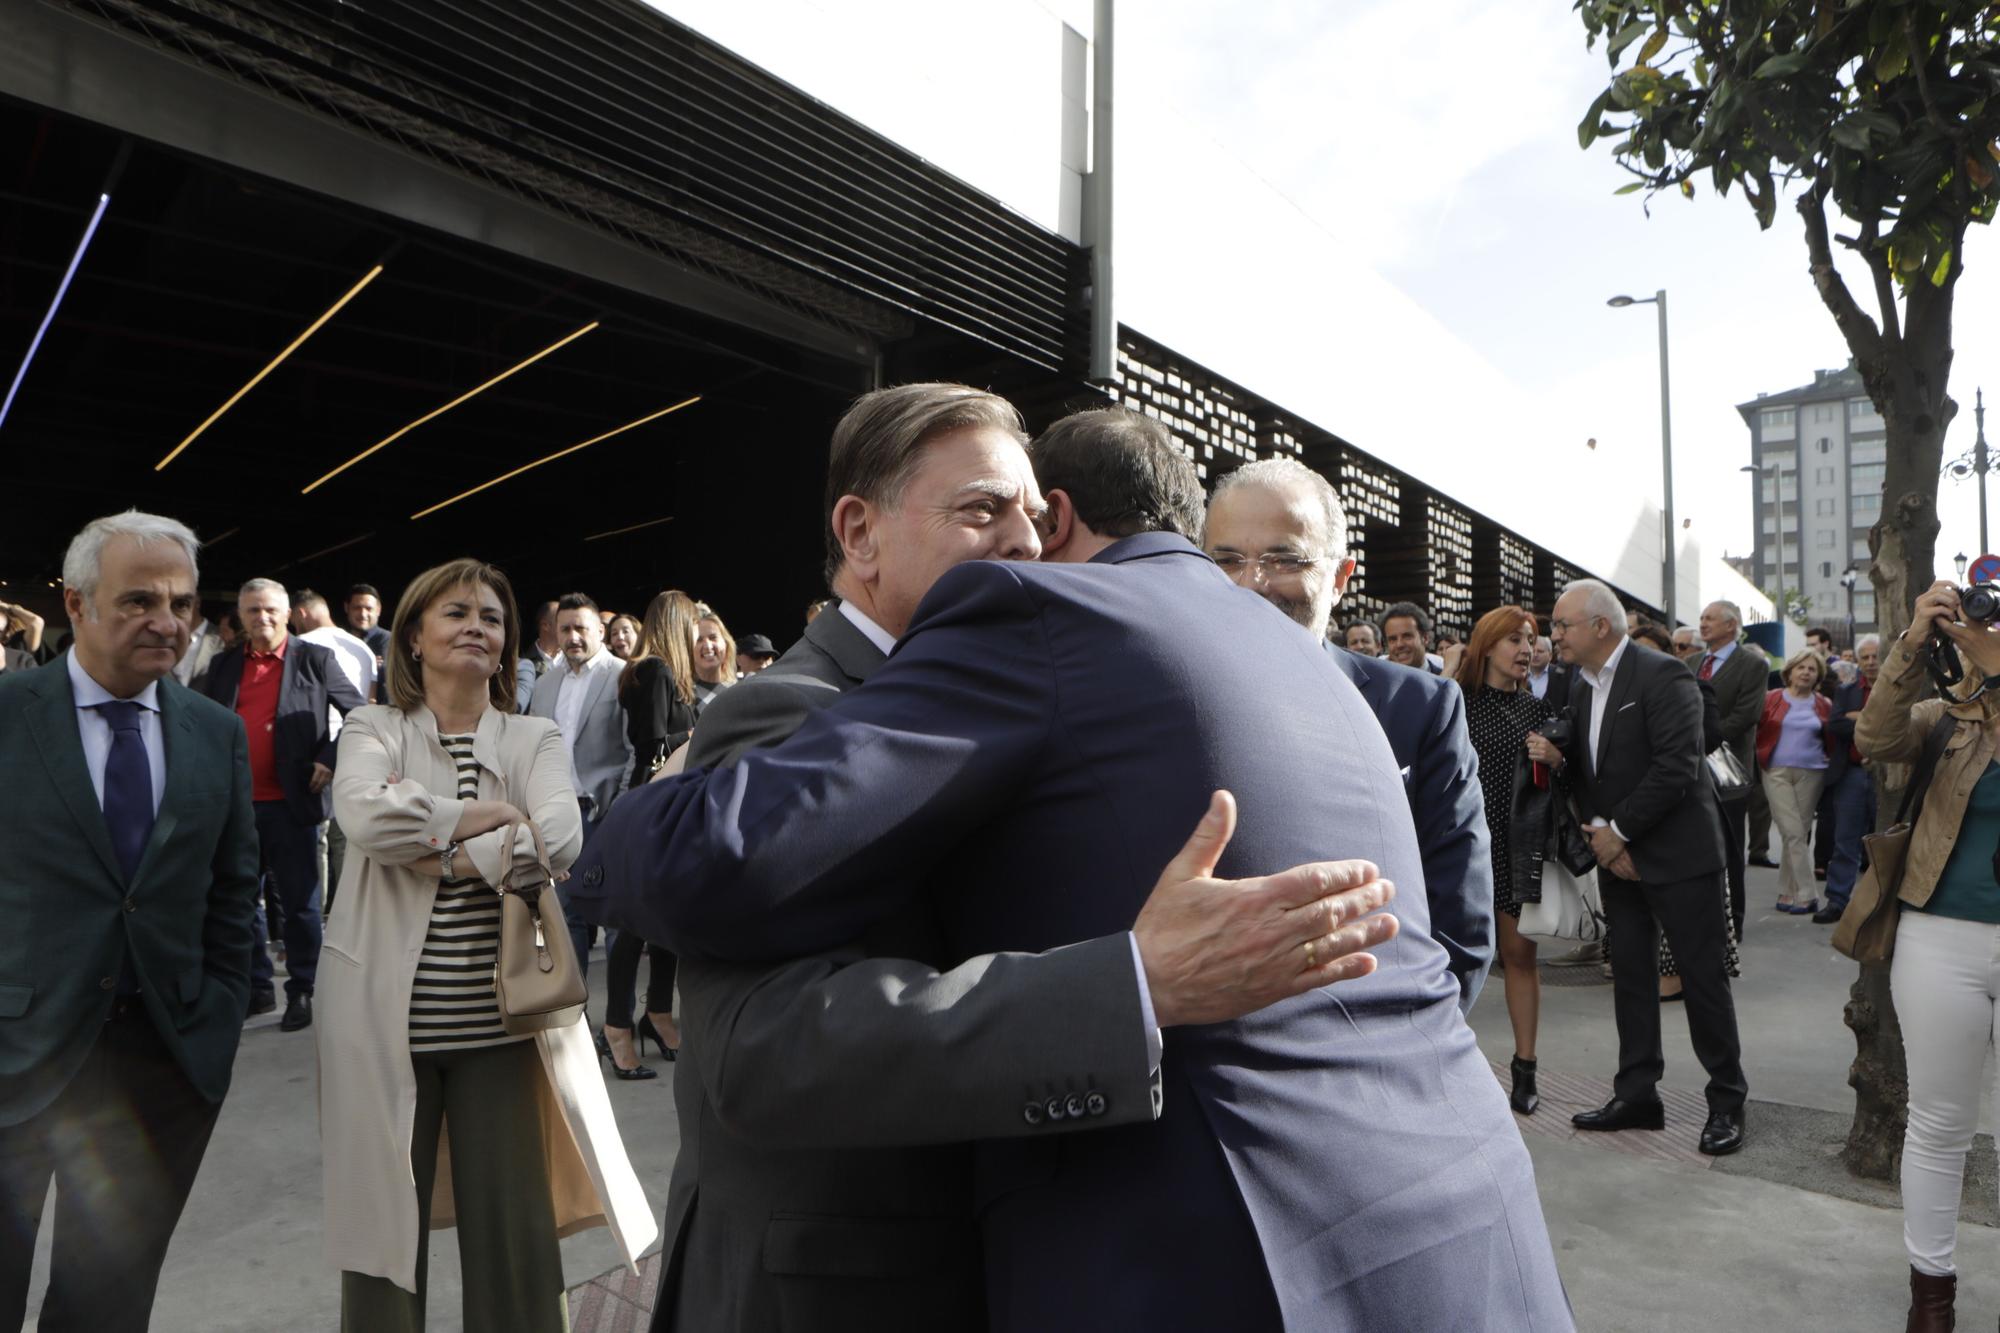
<point x="1663" y="1240"/>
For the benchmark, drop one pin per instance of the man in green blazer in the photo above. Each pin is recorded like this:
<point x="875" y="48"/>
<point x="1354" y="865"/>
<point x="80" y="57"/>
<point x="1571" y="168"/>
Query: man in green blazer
<point x="128" y="886"/>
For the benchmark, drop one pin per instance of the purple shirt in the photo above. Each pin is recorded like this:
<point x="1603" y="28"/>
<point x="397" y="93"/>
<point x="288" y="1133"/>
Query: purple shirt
<point x="1799" y="744"/>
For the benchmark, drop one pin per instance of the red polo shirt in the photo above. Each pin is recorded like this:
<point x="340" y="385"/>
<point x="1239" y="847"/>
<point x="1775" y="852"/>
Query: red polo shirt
<point x="257" y="705"/>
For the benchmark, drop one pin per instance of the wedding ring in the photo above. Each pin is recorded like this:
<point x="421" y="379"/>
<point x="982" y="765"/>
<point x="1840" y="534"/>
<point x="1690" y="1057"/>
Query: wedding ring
<point x="1311" y="958"/>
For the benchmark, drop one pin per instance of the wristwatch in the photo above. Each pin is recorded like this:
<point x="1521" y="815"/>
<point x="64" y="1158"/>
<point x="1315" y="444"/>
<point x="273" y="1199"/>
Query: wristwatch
<point x="444" y="859"/>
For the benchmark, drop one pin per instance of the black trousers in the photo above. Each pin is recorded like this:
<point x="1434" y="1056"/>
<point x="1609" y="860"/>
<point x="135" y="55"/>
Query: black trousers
<point x="621" y="979"/>
<point x="290" y="852"/>
<point x="1733" y="816"/>
<point x="1686" y="910"/>
<point x="123" y="1142"/>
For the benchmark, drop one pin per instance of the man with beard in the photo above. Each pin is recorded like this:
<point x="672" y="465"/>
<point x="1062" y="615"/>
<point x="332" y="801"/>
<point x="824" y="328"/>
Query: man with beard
<point x="1277" y="528"/>
<point x="1033" y="747"/>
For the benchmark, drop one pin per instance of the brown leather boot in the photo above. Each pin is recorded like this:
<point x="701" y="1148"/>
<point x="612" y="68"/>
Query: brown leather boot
<point x="1931" y="1300"/>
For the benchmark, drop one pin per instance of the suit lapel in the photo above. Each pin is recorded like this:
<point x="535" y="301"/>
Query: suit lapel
<point x="1621" y="690"/>
<point x="53" y="721"/>
<point x="593" y="687"/>
<point x="177" y="734"/>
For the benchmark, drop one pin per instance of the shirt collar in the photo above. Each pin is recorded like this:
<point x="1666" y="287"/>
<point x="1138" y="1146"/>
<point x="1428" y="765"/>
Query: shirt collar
<point x="876" y="635"/>
<point x="1602" y="677"/>
<point x="589" y="663"/>
<point x="89" y="693"/>
<point x="1721" y="654"/>
<point x="278" y="652"/>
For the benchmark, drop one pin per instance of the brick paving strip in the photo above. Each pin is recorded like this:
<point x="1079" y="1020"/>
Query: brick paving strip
<point x="616" y="1302"/>
<point x="1563" y="1095"/>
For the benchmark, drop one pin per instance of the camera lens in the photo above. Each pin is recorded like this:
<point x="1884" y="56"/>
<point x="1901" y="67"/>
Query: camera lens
<point x="1980" y="604"/>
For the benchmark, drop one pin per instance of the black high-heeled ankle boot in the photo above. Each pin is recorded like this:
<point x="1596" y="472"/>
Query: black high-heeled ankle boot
<point x="1522" y="1096"/>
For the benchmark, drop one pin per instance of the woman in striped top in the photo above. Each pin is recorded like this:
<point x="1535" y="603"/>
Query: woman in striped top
<point x="420" y="1081"/>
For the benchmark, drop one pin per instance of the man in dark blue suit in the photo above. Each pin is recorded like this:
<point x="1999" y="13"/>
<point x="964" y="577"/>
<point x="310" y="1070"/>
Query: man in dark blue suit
<point x="282" y="688"/>
<point x="1035" y="748"/>
<point x="1277" y="528"/>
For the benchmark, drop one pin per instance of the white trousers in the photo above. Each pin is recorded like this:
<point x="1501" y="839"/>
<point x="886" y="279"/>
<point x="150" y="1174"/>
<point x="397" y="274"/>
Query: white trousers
<point x="1793" y="795"/>
<point x="1946" y="981"/>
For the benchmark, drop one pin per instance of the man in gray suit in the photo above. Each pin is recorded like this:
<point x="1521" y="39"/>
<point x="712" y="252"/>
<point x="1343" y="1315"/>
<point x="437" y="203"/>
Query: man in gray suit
<point x="1736" y="673"/>
<point x="822" y="1182"/>
<point x="580" y="695"/>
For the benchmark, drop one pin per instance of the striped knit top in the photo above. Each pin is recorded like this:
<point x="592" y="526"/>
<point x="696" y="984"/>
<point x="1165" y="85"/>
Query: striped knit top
<point x="452" y="1005"/>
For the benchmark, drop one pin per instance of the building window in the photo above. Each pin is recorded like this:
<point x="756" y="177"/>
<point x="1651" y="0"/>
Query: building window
<point x="1824" y="508"/>
<point x="1867" y="507"/>
<point x="1867" y="478"/>
<point x="1825" y="537"/>
<point x="1824" y="444"/>
<point x="1860" y="407"/>
<point x="1864" y="607"/>
<point x="1822" y="476"/>
<point x="1822" y="412"/>
<point x="1826" y="569"/>
<point x="1777" y="416"/>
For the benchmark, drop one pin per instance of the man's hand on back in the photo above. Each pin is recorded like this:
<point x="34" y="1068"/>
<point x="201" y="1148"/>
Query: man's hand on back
<point x="1217" y="949"/>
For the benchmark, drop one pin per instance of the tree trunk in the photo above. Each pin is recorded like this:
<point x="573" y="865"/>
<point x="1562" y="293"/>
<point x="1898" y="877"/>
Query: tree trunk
<point x="1906" y="377"/>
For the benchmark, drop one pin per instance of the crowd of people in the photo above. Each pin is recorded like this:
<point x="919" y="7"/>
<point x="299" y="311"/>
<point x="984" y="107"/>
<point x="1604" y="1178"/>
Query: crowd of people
<point x="978" y="1033"/>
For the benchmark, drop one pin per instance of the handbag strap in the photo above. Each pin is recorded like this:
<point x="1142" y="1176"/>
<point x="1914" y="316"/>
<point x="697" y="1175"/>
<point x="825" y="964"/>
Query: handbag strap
<point x="541" y="857"/>
<point x="1920" y="783"/>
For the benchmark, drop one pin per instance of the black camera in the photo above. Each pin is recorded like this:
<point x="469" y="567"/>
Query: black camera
<point x="1556" y="731"/>
<point x="1979" y="604"/>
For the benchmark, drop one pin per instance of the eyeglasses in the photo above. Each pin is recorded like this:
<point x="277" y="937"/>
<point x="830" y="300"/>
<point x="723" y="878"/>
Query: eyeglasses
<point x="1564" y="626"/>
<point x="1233" y="563"/>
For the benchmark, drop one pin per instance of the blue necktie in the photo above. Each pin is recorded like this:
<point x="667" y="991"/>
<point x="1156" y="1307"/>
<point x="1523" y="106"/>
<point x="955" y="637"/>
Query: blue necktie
<point x="128" y="785"/>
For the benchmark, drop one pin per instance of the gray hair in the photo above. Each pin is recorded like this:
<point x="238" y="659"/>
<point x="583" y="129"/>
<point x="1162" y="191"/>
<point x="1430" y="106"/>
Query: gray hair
<point x="1868" y="641"/>
<point x="1598" y="600"/>
<point x="83" y="563"/>
<point x="1288" y="473"/>
<point x="263" y="585"/>
<point x="1734" y="611"/>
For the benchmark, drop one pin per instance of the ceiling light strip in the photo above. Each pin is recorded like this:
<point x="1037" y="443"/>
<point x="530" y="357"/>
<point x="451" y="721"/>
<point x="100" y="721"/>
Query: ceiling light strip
<point x="619" y="532"/>
<point x="438" y="412"/>
<point x="277" y="360"/>
<point x="560" y="453"/>
<point x="62" y="289"/>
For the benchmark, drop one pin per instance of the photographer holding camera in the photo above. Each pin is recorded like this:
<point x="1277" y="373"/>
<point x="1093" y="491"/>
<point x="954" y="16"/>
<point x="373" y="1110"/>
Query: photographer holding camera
<point x="1945" y="973"/>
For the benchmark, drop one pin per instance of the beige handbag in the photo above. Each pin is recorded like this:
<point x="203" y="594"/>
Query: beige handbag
<point x="536" y="977"/>
<point x="1867" y="929"/>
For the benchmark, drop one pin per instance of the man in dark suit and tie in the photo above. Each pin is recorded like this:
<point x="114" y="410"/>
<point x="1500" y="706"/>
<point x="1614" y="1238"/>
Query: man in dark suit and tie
<point x="1635" y="766"/>
<point x="281" y="686"/>
<point x="130" y="873"/>
<point x="823" y="1177"/>
<point x="1039" y="741"/>
<point x="1278" y="529"/>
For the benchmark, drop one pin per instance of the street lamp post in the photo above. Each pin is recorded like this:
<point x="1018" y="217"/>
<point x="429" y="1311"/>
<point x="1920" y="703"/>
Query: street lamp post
<point x="1669" y="588"/>
<point x="1777" y="476"/>
<point x="1976" y="463"/>
<point x="1960" y="561"/>
<point x="1847" y="580"/>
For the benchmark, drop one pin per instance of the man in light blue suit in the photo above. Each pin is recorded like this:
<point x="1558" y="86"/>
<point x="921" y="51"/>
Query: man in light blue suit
<point x="1034" y="749"/>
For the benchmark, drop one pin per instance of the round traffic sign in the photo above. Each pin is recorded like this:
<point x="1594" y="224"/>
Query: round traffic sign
<point x="1986" y="569"/>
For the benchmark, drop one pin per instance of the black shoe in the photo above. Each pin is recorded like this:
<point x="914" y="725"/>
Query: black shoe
<point x="298" y="1013"/>
<point x="1674" y="998"/>
<point x="262" y="1002"/>
<point x="1828" y="914"/>
<point x="1620" y="1114"/>
<point x="637" y="1071"/>
<point x="1723" y="1134"/>
<point x="645" y="1032"/>
<point x="1523" y="1096"/>
<point x="1764" y="862"/>
<point x="603" y="1045"/>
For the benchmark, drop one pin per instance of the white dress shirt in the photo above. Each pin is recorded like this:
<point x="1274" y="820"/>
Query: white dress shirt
<point x="357" y="663"/>
<point x="1600" y="698"/>
<point x="94" y="729"/>
<point x="882" y="639"/>
<point x="570" y="690"/>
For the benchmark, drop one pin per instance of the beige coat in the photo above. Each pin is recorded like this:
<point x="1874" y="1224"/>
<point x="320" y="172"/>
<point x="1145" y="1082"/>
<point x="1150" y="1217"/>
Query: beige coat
<point x="1901" y="711"/>
<point x="367" y="1085"/>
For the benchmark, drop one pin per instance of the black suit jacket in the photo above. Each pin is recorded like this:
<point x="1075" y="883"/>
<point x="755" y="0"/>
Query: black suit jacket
<point x="1424" y="718"/>
<point x="313" y="679"/>
<point x="1648" y="776"/>
<point x="1739" y="694"/>
<point x="182" y="917"/>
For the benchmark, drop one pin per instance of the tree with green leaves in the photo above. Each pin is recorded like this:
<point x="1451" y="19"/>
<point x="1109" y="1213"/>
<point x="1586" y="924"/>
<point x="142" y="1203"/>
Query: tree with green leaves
<point x="1889" y="111"/>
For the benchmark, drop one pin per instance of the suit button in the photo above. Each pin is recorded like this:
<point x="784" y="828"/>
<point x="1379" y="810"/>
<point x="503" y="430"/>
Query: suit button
<point x="594" y="876"/>
<point x="1073" y="1107"/>
<point x="1094" y="1104"/>
<point x="1032" y="1113"/>
<point x="105" y="983"/>
<point x="1054" y="1106"/>
<point x="131" y="905"/>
